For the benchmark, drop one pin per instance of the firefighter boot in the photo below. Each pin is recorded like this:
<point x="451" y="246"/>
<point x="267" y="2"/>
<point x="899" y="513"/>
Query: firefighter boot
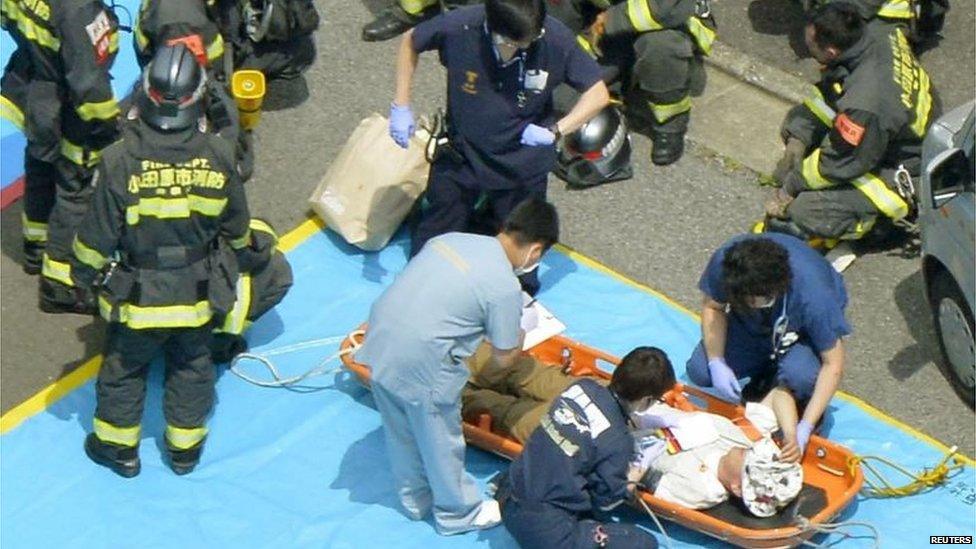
<point x="58" y="298"/>
<point x="390" y="23"/>
<point x="33" y="256"/>
<point x="668" y="140"/>
<point x="184" y="461"/>
<point x="122" y="460"/>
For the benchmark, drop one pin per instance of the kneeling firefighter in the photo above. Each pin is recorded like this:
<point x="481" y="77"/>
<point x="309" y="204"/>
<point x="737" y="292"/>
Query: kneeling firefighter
<point x="165" y="195"/>
<point x="264" y="277"/>
<point x="596" y="153"/>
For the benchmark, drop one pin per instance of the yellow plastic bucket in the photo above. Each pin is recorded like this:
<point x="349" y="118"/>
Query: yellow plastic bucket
<point x="248" y="89"/>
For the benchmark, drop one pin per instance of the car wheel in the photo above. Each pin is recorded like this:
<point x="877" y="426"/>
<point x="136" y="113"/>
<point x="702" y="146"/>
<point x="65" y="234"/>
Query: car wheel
<point x="954" y="327"/>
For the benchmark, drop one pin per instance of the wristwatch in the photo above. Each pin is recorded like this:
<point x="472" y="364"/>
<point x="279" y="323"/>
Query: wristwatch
<point x="554" y="128"/>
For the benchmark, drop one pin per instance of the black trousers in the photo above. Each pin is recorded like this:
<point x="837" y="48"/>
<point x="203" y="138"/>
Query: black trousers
<point x="189" y="378"/>
<point x="840" y="212"/>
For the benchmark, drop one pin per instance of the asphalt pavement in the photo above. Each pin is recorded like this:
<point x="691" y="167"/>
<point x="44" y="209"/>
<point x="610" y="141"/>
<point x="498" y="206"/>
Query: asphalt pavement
<point x="658" y="228"/>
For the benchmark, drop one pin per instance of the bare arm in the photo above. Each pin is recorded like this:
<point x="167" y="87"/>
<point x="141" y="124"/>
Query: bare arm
<point x="827" y="382"/>
<point x="406" y="66"/>
<point x="589" y="105"/>
<point x="714" y="326"/>
<point x="783" y="404"/>
<point x="500" y="362"/>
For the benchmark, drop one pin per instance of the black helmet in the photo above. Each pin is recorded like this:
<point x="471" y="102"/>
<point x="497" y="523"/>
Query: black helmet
<point x="173" y="87"/>
<point x="598" y="152"/>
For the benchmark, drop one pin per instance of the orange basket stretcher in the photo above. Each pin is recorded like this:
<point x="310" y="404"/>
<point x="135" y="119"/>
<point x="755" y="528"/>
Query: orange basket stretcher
<point x="829" y="485"/>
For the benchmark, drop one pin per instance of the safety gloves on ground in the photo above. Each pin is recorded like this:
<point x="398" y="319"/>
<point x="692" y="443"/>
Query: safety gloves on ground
<point x="803" y="431"/>
<point x="724" y="380"/>
<point x="402" y="124"/>
<point x="535" y="136"/>
<point x="777" y="203"/>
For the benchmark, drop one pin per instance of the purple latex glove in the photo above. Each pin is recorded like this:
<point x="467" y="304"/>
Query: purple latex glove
<point x="724" y="380"/>
<point x="402" y="124"/>
<point x="649" y="419"/>
<point x="803" y="431"/>
<point x="534" y="136"/>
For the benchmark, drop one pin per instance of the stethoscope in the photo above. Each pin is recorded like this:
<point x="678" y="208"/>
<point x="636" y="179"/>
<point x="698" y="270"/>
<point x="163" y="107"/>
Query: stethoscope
<point x="781" y="337"/>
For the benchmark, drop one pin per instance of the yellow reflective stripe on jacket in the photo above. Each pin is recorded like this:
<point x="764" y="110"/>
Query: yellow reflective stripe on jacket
<point x="664" y="111"/>
<point x="585" y="45"/>
<point x="414" y="7"/>
<point x="123" y="436"/>
<point x="12" y="112"/>
<point x="811" y="172"/>
<point x="896" y="9"/>
<point x="703" y="35"/>
<point x="236" y="319"/>
<point x="165" y="316"/>
<point x="87" y="255"/>
<point x="103" y="110"/>
<point x="815" y="102"/>
<point x="174" y="208"/>
<point x="141" y="39"/>
<point x="262" y="226"/>
<point x="886" y="200"/>
<point x="56" y="270"/>
<point x="184" y="439"/>
<point x="34" y="231"/>
<point x="641" y="17"/>
<point x="923" y="105"/>
<point x="241" y="242"/>
<point x="78" y="154"/>
<point x="33" y="31"/>
<point x="216" y="48"/>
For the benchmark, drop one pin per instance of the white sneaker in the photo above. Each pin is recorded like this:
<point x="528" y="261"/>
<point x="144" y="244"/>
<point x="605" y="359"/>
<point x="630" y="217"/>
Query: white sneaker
<point x="489" y="515"/>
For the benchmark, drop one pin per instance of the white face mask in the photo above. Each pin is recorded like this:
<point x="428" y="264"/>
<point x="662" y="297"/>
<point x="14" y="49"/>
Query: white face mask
<point x="770" y="301"/>
<point x="526" y="268"/>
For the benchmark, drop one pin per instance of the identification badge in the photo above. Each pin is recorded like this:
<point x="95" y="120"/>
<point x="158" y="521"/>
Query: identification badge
<point x="535" y="80"/>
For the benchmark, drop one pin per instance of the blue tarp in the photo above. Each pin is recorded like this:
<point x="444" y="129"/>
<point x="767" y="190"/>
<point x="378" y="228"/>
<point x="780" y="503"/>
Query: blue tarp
<point x="286" y="469"/>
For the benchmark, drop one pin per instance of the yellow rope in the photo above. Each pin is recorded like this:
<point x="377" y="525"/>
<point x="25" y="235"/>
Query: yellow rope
<point x="878" y="485"/>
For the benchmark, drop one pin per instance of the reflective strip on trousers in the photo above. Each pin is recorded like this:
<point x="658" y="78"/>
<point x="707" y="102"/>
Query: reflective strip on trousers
<point x="237" y="317"/>
<point x="641" y="17"/>
<point x="414" y="7"/>
<point x="77" y="154"/>
<point x="56" y="270"/>
<point x="165" y="316"/>
<point x="184" y="439"/>
<point x="703" y="35"/>
<point x="215" y="49"/>
<point x="241" y="242"/>
<point x="923" y="105"/>
<point x="896" y="9"/>
<point x="261" y="226"/>
<point x="123" y="436"/>
<point x="815" y="102"/>
<point x="174" y="208"/>
<point x="886" y="200"/>
<point x="34" y="231"/>
<point x="665" y="111"/>
<point x="103" y="110"/>
<point x="87" y="255"/>
<point x="12" y="112"/>
<point x="859" y="230"/>
<point x="141" y="39"/>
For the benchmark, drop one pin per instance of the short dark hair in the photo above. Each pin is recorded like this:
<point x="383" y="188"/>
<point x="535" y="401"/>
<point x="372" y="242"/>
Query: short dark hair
<point x="837" y="24"/>
<point x="755" y="267"/>
<point x="516" y="19"/>
<point x="533" y="221"/>
<point x="644" y="372"/>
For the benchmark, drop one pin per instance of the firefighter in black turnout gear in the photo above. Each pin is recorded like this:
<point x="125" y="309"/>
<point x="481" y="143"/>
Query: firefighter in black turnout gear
<point x="166" y="194"/>
<point x="655" y="48"/>
<point x="56" y="86"/>
<point x="854" y="146"/>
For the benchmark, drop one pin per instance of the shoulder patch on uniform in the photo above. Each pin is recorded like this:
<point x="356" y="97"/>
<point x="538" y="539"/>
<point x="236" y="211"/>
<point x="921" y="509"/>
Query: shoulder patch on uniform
<point x="100" y="33"/>
<point x="849" y="130"/>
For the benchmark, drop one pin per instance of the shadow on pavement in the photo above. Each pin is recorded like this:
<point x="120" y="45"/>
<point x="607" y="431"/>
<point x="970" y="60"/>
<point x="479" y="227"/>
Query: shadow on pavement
<point x="915" y="355"/>
<point x="780" y="18"/>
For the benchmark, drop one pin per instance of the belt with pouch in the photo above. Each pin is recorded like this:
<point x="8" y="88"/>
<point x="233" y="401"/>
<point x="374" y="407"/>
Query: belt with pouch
<point x="168" y="257"/>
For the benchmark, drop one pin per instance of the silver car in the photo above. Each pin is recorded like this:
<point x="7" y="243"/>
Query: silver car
<point x="946" y="217"/>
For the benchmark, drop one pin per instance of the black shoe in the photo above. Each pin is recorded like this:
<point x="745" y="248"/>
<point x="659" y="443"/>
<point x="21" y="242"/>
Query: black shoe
<point x="184" y="461"/>
<point x="33" y="256"/>
<point x="390" y="23"/>
<point x="667" y="147"/>
<point x="224" y="347"/>
<point x="56" y="298"/>
<point x="122" y="460"/>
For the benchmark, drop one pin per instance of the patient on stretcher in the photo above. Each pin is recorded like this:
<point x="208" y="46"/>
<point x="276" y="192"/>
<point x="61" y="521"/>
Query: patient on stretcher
<point x="700" y="458"/>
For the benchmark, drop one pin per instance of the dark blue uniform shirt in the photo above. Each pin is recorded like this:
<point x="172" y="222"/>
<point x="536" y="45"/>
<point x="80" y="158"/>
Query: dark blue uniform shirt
<point x="486" y="114"/>
<point x="577" y="458"/>
<point x="815" y="301"/>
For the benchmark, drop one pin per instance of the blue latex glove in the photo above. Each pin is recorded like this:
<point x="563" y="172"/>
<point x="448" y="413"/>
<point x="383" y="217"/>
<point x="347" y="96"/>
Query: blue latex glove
<point x="402" y="124"/>
<point x="651" y="420"/>
<point x="534" y="136"/>
<point x="803" y="431"/>
<point x="724" y="380"/>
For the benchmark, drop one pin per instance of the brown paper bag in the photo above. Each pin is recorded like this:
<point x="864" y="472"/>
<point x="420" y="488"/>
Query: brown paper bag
<point x="371" y="185"/>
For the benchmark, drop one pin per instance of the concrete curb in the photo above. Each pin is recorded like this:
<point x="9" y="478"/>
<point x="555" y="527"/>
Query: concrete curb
<point x="750" y="70"/>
